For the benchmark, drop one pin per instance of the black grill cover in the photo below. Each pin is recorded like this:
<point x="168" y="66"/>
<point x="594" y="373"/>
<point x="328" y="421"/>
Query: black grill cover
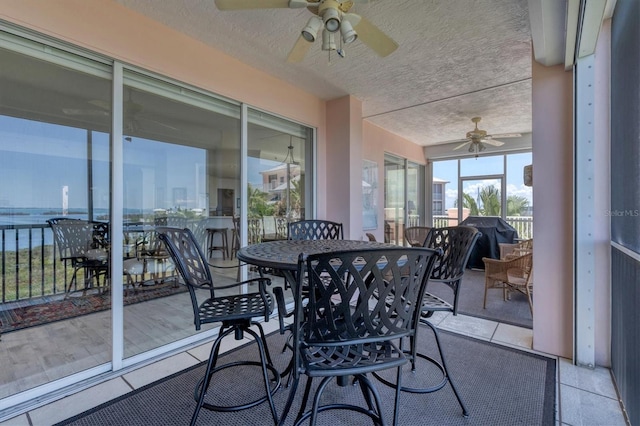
<point x="494" y="230"/>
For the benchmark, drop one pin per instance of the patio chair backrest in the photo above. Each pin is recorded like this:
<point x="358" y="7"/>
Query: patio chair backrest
<point x="281" y="225"/>
<point x="415" y="236"/>
<point x="255" y="233"/>
<point x="75" y="237"/>
<point x="362" y="295"/>
<point x="314" y="229"/>
<point x="189" y="259"/>
<point x="456" y="243"/>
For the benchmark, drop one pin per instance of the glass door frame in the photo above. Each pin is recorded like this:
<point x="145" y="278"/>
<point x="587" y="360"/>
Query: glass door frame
<point x="503" y="192"/>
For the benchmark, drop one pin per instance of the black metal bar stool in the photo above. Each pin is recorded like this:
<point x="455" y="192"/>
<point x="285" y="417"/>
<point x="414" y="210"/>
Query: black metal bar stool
<point x="238" y="314"/>
<point x="224" y="242"/>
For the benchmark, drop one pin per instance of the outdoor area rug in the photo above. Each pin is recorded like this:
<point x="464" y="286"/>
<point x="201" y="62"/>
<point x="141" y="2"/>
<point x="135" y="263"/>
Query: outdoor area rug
<point x="48" y="310"/>
<point x="500" y="386"/>
<point x="514" y="311"/>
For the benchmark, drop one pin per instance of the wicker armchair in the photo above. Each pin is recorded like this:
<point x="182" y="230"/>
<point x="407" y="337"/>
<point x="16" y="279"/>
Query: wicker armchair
<point x="513" y="273"/>
<point x="415" y="236"/>
<point x="514" y="250"/>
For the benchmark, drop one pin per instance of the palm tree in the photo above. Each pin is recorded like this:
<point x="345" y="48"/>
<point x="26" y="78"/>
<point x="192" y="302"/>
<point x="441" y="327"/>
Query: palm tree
<point x="489" y="203"/>
<point x="469" y="203"/>
<point x="490" y="198"/>
<point x="516" y="205"/>
<point x="258" y="203"/>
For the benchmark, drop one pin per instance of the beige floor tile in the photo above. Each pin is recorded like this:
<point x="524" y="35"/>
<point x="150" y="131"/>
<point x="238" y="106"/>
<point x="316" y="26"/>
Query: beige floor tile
<point x="158" y="370"/>
<point x="469" y="326"/>
<point x="78" y="402"/>
<point x="20" y="420"/>
<point x="438" y="317"/>
<point x="582" y="408"/>
<point x="513" y="336"/>
<point x="596" y="380"/>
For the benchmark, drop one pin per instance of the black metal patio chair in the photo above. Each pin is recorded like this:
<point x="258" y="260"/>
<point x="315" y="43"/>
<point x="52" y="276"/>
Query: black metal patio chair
<point x="315" y="229"/>
<point x="415" y="236"/>
<point x="456" y="243"/>
<point x="83" y="245"/>
<point x="361" y="304"/>
<point x="236" y="313"/>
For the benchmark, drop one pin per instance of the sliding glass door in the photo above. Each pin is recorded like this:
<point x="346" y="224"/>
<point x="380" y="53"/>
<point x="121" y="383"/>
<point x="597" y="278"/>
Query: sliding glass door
<point x="181" y="153"/>
<point x="70" y="312"/>
<point x="404" y="197"/>
<point x="54" y="167"/>
<point x="278" y="159"/>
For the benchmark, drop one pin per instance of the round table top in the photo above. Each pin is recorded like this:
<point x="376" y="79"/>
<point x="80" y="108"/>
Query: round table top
<point x="283" y="254"/>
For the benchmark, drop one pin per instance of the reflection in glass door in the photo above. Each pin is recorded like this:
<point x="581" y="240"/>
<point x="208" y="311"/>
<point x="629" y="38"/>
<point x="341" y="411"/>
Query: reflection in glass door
<point x="394" y="199"/>
<point x="481" y="196"/>
<point x="54" y="164"/>
<point x="415" y="194"/>
<point x="181" y="152"/>
<point x="277" y="167"/>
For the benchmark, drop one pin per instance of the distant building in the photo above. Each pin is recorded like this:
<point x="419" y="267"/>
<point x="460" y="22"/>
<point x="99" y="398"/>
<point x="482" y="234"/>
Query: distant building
<point x="439" y="192"/>
<point x="274" y="180"/>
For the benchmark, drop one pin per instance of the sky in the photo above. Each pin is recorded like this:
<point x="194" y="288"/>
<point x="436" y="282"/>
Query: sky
<point x="481" y="167"/>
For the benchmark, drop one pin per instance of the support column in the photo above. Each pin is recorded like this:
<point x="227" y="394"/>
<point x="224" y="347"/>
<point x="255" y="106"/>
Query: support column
<point x="344" y="164"/>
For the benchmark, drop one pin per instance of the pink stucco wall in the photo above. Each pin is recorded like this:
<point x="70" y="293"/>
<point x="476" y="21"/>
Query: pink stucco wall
<point x="552" y="97"/>
<point x="344" y="171"/>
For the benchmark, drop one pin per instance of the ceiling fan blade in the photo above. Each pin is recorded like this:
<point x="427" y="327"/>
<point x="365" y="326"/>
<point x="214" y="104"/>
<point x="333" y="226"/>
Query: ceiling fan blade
<point x="299" y="50"/>
<point x="101" y="104"/>
<point x="507" y="135"/>
<point x="159" y="123"/>
<point x="87" y="112"/>
<point x="371" y="35"/>
<point x="492" y="142"/>
<point x="251" y="4"/>
<point x="461" y="145"/>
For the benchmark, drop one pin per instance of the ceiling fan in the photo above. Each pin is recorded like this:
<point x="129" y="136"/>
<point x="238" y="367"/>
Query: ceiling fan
<point x="330" y="16"/>
<point x="133" y="114"/>
<point x="476" y="138"/>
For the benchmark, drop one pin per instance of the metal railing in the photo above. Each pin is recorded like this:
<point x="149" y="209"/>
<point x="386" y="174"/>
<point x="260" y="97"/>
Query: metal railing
<point x="522" y="224"/>
<point x="29" y="265"/>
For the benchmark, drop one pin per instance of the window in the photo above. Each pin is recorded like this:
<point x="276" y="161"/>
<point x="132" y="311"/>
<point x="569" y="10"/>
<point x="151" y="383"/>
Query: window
<point x="483" y="181"/>
<point x="180" y="166"/>
<point x="404" y="197"/>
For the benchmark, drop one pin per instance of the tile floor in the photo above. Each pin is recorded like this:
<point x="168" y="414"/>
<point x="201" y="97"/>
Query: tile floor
<point x="584" y="397"/>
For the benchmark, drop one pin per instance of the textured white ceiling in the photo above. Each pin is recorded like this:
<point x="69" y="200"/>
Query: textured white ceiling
<point x="457" y="59"/>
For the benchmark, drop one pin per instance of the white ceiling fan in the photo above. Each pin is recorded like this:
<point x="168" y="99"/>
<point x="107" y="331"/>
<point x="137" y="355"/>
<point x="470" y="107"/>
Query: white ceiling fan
<point x="476" y="138"/>
<point x="330" y="16"/>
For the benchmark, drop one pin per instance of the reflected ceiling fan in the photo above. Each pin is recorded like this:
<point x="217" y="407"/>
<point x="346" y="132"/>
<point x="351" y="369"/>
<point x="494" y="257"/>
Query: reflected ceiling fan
<point x="330" y="16"/>
<point x="133" y="112"/>
<point x="476" y="138"/>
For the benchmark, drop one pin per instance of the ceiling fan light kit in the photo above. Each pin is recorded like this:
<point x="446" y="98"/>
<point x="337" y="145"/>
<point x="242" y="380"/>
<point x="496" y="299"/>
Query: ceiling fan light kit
<point x="328" y="41"/>
<point x="349" y="35"/>
<point x="310" y="32"/>
<point x="477" y="138"/>
<point x="329" y="15"/>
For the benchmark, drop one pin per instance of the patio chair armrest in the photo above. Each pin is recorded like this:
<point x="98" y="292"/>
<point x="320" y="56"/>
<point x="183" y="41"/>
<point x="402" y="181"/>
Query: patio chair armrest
<point x="261" y="281"/>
